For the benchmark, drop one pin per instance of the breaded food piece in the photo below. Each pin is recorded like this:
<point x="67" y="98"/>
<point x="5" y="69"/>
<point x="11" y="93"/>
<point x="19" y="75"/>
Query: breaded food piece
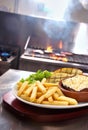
<point x="69" y="71"/>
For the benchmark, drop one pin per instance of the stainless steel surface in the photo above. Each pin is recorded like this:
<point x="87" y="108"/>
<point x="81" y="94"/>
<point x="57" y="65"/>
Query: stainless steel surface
<point x="28" y="40"/>
<point x="9" y="121"/>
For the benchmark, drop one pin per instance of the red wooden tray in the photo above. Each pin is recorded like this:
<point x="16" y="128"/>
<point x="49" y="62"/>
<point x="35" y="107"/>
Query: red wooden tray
<point x="40" y="114"/>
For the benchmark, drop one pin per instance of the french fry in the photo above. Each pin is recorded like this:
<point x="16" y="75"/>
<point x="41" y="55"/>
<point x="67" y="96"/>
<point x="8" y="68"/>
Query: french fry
<point x="22" y="88"/>
<point x="43" y="80"/>
<point x="50" y="99"/>
<point x="55" y="96"/>
<point x="46" y="102"/>
<point x="19" y="84"/>
<point x="39" y="94"/>
<point x="62" y="103"/>
<point x="41" y="87"/>
<point x="33" y="94"/>
<point x="29" y="90"/>
<point x="40" y="99"/>
<point x="70" y="101"/>
<point x="25" y="97"/>
<point x="60" y="92"/>
<point x="47" y="85"/>
<point x="50" y="92"/>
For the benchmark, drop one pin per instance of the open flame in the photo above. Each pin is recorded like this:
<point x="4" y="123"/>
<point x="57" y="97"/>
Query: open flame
<point x="51" y="53"/>
<point x="60" y="45"/>
<point x="60" y="58"/>
<point x="49" y="49"/>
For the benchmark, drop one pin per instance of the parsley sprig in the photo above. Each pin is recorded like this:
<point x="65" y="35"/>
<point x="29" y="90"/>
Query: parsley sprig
<point x="39" y="75"/>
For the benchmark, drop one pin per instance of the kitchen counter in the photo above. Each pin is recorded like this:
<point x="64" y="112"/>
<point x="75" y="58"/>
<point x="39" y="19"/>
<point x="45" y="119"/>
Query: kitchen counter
<point x="11" y="121"/>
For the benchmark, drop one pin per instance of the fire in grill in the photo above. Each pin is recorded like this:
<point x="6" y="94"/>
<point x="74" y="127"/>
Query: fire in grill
<point x="63" y="56"/>
<point x="50" y="54"/>
<point x="57" y="54"/>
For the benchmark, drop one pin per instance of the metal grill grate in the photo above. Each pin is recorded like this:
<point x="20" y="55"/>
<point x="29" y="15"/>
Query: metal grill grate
<point x="75" y="58"/>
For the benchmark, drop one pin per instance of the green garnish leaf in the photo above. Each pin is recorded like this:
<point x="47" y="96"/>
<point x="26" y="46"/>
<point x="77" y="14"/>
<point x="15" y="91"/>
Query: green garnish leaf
<point x="39" y="75"/>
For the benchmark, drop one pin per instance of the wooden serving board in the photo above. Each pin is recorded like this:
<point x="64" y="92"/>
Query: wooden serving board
<point x="40" y="114"/>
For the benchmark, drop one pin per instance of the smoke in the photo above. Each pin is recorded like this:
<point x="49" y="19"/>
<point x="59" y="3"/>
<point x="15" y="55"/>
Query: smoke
<point x="59" y="29"/>
<point x="62" y="29"/>
<point x="76" y="12"/>
<point x="74" y="5"/>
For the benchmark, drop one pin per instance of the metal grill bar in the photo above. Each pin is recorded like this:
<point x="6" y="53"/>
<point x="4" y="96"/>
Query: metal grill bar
<point x="75" y="58"/>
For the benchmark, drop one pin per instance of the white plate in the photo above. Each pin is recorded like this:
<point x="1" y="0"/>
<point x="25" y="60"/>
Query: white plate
<point x="14" y="91"/>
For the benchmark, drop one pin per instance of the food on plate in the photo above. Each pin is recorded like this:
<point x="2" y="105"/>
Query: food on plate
<point x="69" y="71"/>
<point x="77" y="82"/>
<point x="39" y="75"/>
<point x="54" y="76"/>
<point x="38" y="93"/>
<point x="42" y="87"/>
<point x="62" y="73"/>
<point x="57" y="77"/>
<point x="75" y="87"/>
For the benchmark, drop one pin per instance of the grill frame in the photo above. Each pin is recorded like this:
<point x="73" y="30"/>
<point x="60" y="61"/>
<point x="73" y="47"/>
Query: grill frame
<point x="34" y="63"/>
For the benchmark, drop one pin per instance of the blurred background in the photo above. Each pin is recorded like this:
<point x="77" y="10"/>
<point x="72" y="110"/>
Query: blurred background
<point x="59" y="24"/>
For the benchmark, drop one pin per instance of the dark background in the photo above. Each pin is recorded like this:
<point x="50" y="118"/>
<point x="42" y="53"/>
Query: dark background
<point x="15" y="29"/>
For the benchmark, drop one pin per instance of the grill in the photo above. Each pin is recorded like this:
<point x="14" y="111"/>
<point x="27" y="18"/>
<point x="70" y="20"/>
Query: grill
<point x="66" y="48"/>
<point x="71" y="58"/>
<point x="34" y="59"/>
<point x="80" y="59"/>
